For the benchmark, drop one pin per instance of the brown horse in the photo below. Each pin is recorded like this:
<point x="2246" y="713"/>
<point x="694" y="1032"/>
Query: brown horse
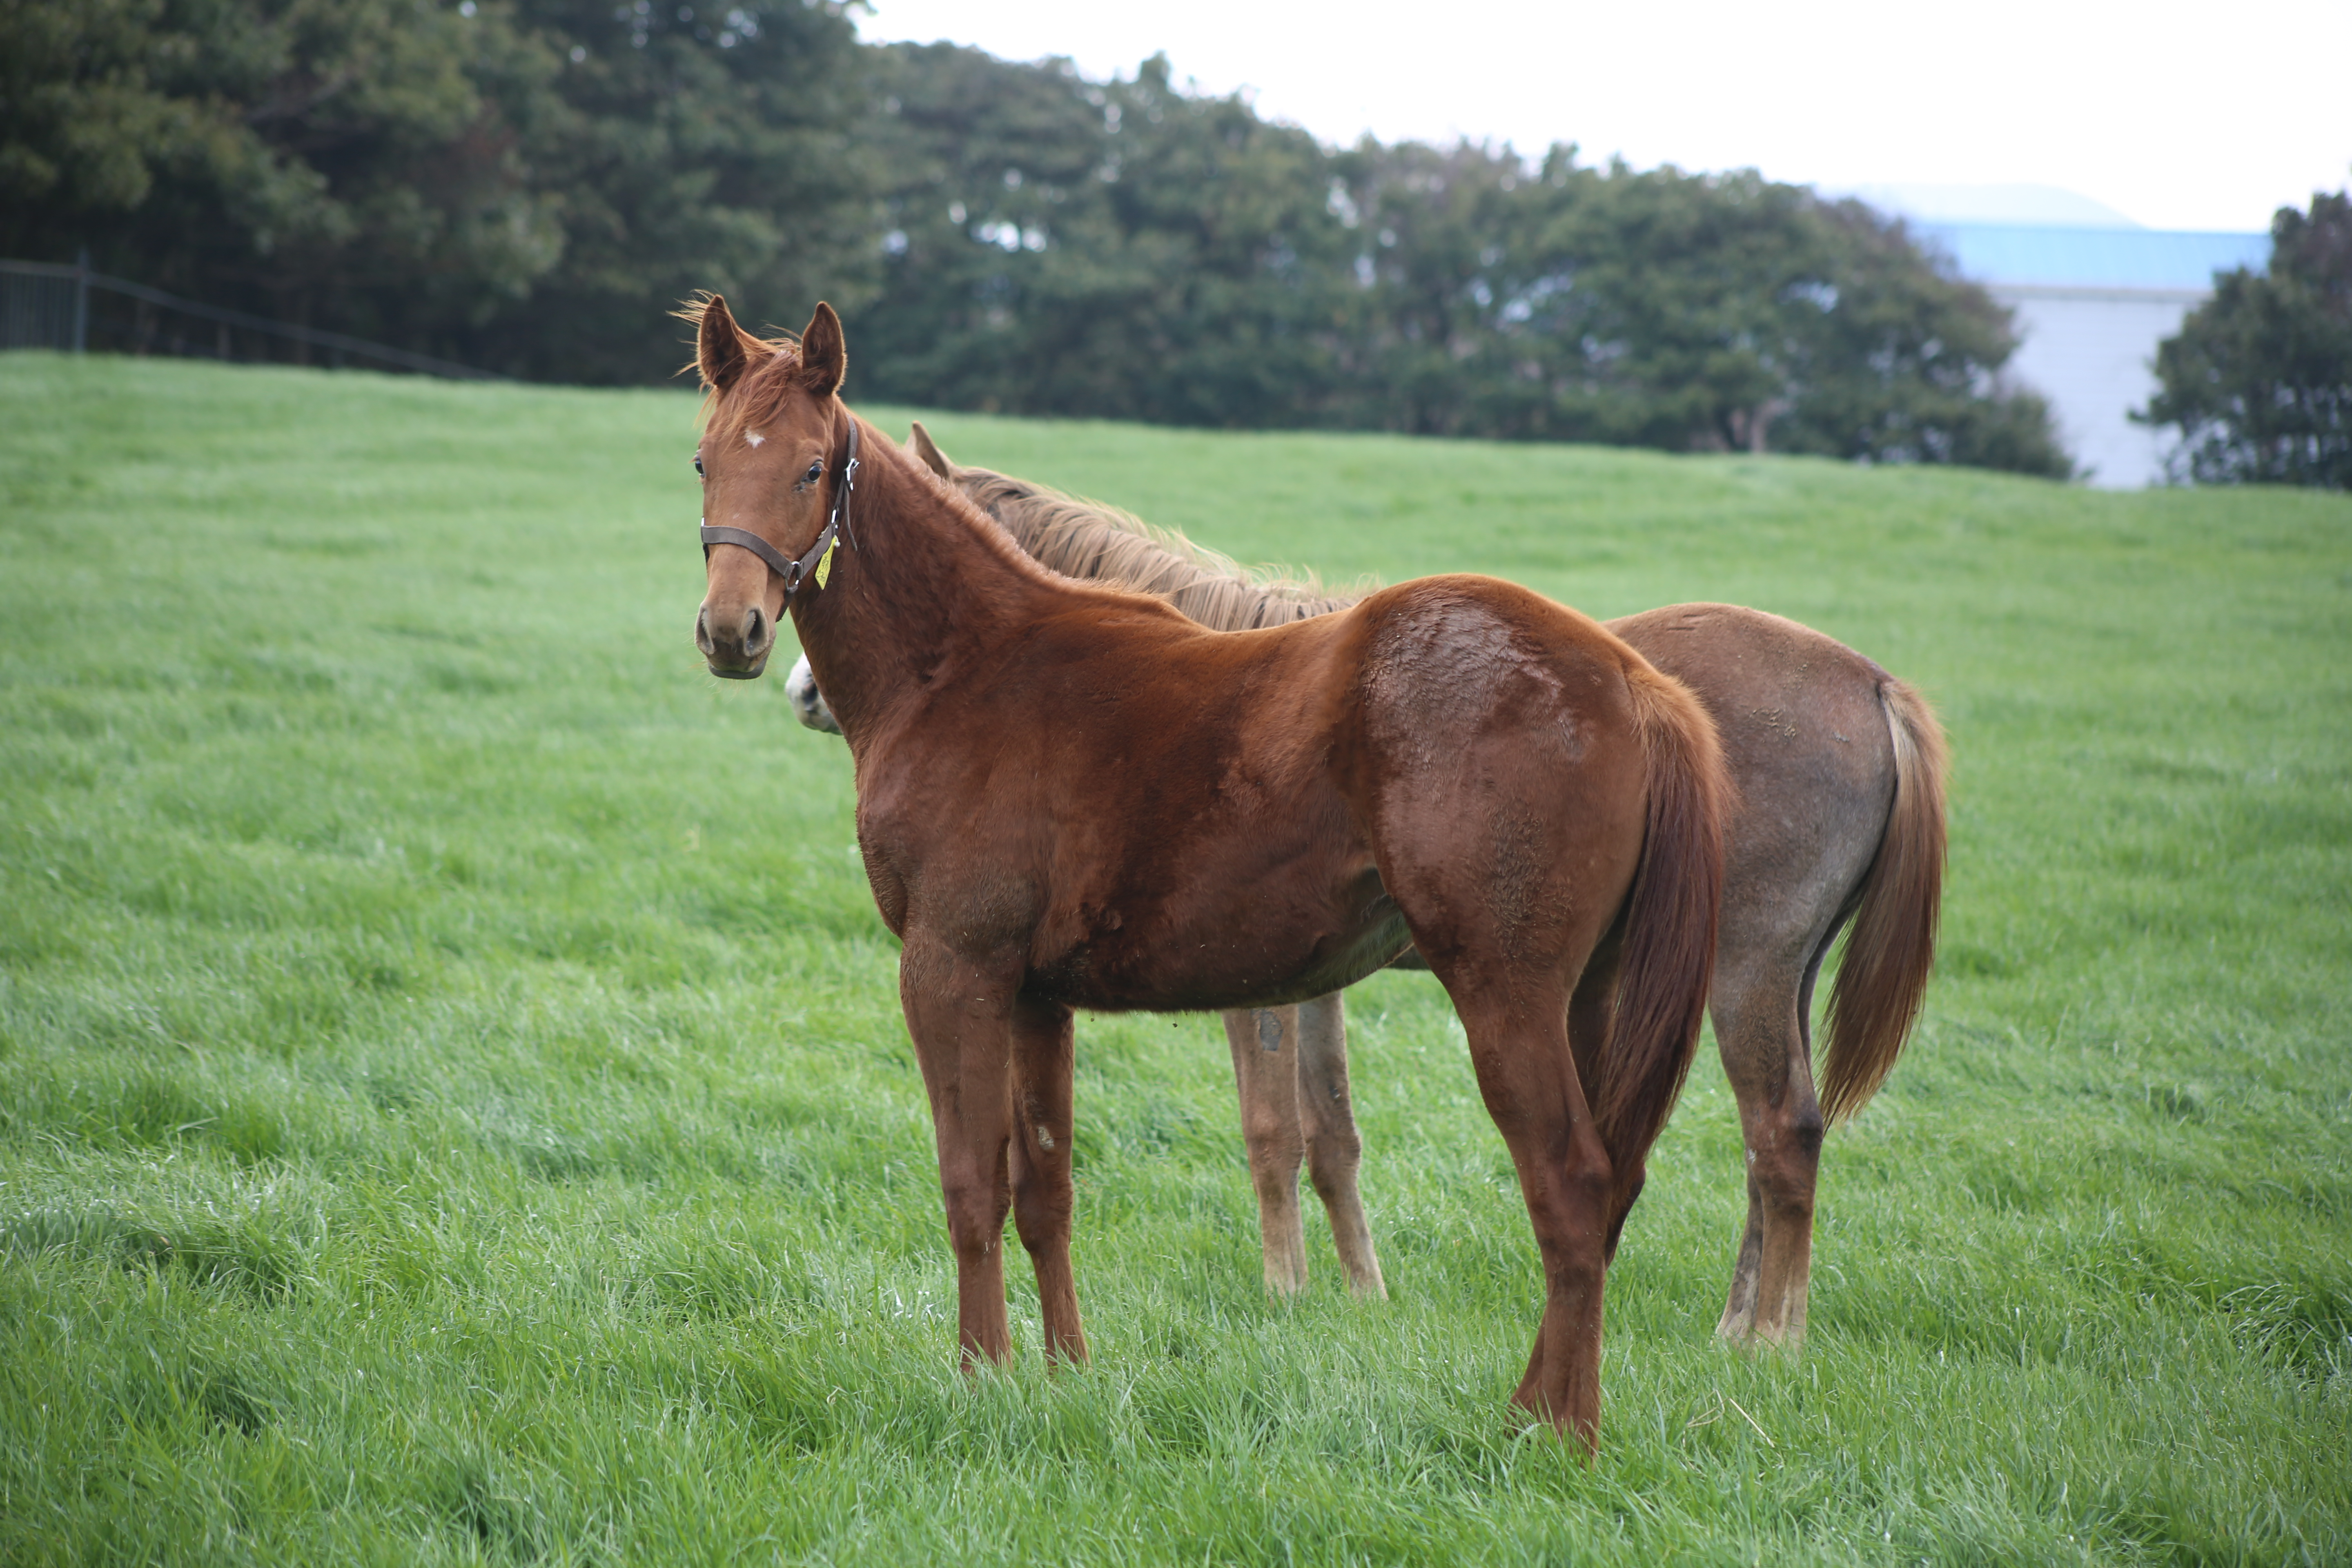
<point x="1838" y="814"/>
<point x="1074" y="797"/>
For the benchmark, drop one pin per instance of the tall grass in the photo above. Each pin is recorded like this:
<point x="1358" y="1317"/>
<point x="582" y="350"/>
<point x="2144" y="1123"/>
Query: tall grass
<point x="453" y="1104"/>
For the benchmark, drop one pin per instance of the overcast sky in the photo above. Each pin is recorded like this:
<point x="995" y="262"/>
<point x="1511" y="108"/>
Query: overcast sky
<point x="2205" y="116"/>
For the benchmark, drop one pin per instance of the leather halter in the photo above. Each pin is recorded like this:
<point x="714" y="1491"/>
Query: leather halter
<point x="796" y="572"/>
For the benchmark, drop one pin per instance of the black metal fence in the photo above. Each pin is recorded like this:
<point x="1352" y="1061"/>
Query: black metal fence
<point x="69" y="307"/>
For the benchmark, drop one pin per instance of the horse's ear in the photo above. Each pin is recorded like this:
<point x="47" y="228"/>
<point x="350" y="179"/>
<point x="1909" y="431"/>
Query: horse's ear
<point x="722" y="351"/>
<point x="825" y="357"/>
<point x="920" y="441"/>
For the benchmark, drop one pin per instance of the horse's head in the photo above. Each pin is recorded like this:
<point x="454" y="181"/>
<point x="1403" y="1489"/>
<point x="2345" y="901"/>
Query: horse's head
<point x="776" y="448"/>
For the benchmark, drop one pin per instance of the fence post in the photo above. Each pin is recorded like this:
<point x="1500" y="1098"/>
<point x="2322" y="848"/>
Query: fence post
<point x="81" y="301"/>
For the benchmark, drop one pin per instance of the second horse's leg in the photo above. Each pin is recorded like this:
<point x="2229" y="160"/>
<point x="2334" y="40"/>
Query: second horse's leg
<point x="1327" y="1124"/>
<point x="1265" y="1042"/>
<point x="1760" y="1028"/>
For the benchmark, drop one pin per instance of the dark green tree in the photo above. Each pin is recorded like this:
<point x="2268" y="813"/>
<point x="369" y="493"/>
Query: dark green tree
<point x="986" y="166"/>
<point x="687" y="148"/>
<point x="531" y="185"/>
<point x="527" y="184"/>
<point x="294" y="159"/>
<point x="2259" y="380"/>
<point x="1901" y="362"/>
<point x="1120" y="249"/>
<point x="1660" y="308"/>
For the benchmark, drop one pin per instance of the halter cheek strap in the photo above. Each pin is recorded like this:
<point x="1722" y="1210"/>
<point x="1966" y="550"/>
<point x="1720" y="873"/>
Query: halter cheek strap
<point x="796" y="572"/>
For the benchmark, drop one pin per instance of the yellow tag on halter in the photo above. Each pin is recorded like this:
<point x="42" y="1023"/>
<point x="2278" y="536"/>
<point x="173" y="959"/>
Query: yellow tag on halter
<point x="824" y="563"/>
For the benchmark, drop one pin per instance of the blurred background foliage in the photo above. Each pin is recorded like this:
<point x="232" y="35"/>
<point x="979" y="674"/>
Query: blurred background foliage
<point x="2260" y="378"/>
<point x="528" y="184"/>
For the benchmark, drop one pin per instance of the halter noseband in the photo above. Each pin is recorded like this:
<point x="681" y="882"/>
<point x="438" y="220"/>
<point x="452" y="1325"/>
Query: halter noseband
<point x="796" y="572"/>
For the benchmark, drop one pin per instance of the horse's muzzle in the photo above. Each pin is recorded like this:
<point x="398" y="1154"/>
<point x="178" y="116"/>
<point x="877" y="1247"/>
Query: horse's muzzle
<point x="736" y="646"/>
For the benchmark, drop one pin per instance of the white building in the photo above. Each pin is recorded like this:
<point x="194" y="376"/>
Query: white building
<point x="2091" y="304"/>
<point x="2093" y="294"/>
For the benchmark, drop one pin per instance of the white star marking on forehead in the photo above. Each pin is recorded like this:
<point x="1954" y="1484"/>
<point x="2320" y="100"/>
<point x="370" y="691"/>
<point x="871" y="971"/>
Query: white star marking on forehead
<point x="753" y="436"/>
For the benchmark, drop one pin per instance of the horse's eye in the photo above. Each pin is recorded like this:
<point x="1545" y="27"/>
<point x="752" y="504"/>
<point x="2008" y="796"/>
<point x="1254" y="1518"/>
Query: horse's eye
<point x="698" y="466"/>
<point x="816" y="472"/>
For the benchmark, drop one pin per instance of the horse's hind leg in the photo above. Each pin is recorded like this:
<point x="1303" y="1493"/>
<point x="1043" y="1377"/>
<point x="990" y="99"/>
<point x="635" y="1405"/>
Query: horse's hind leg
<point x="1265" y="1044"/>
<point x="1511" y="984"/>
<point x="1326" y="1122"/>
<point x="1519" y="1047"/>
<point x="1041" y="1198"/>
<point x="1760" y="1029"/>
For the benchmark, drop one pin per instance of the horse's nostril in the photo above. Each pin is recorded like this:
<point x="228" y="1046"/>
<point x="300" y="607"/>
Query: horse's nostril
<point x="702" y="631"/>
<point x="754" y="631"/>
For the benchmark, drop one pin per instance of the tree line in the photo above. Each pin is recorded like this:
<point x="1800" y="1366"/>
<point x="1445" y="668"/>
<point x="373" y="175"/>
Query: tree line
<point x="528" y="184"/>
<point x="2259" y="379"/>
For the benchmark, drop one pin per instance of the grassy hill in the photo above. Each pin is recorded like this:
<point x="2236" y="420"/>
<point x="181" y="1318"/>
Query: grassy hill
<point x="453" y="1108"/>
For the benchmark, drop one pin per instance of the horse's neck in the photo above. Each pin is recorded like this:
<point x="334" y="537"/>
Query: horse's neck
<point x="929" y="588"/>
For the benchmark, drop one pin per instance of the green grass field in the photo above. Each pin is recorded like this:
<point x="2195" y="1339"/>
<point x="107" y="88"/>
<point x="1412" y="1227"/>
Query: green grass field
<point x="454" y="1106"/>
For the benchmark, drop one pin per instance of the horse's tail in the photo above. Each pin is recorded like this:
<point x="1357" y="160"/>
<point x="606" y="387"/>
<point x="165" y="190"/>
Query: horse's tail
<point x="1882" y="978"/>
<point x="1667" y="957"/>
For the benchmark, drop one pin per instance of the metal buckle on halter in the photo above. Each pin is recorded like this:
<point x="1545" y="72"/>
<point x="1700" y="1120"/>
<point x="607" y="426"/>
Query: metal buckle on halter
<point x="842" y="496"/>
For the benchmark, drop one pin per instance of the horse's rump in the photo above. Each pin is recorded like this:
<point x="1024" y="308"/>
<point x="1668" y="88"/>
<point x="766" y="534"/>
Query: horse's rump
<point x="1466" y="675"/>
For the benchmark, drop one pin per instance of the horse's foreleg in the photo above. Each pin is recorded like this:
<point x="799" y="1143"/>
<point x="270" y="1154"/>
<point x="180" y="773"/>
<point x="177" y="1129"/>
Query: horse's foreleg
<point x="1764" y="1055"/>
<point x="960" y="1015"/>
<point x="1327" y="1124"/>
<point x="1265" y="1042"/>
<point x="1042" y="1199"/>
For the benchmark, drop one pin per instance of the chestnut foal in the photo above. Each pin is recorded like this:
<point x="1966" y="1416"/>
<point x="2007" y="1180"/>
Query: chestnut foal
<point x="1073" y="796"/>
<point x="1838" y="816"/>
